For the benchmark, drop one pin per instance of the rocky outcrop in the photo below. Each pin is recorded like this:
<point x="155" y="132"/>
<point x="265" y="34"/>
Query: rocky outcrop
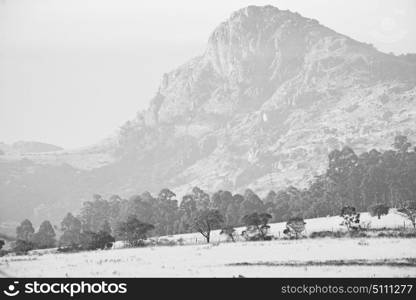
<point x="261" y="108"/>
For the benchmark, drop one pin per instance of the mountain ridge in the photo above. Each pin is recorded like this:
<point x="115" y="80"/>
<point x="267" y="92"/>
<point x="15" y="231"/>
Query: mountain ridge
<point x="261" y="108"/>
<point x="213" y="59"/>
<point x="24" y="147"/>
<point x="171" y="102"/>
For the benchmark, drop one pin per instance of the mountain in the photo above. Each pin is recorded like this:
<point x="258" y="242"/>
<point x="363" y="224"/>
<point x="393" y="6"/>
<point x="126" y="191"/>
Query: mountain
<point x="261" y="108"/>
<point x="26" y="147"/>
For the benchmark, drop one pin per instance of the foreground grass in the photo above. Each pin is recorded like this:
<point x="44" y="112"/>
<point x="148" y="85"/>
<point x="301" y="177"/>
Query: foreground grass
<point x="321" y="257"/>
<point x="403" y="262"/>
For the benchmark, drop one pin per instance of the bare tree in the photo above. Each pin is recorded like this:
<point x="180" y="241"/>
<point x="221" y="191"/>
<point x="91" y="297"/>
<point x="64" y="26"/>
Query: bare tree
<point x="409" y="212"/>
<point x="207" y="220"/>
<point x="229" y="231"/>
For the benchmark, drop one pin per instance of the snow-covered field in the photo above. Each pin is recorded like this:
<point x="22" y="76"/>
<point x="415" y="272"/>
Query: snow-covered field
<point x="392" y="221"/>
<point x="323" y="257"/>
<point x="259" y="259"/>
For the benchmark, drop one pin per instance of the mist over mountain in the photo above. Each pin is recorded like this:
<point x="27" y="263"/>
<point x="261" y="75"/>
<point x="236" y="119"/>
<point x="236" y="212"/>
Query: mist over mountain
<point x="261" y="108"/>
<point x="25" y="147"/>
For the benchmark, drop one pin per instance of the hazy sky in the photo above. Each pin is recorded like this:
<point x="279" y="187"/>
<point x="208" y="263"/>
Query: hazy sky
<point x="73" y="71"/>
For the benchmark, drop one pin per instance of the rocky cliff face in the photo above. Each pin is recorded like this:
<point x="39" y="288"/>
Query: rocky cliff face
<point x="264" y="56"/>
<point x="272" y="94"/>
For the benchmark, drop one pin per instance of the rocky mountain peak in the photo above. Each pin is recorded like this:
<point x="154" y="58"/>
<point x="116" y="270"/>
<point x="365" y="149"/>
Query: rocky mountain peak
<point x="254" y="54"/>
<point x="261" y="108"/>
<point x="244" y="56"/>
<point x="270" y="79"/>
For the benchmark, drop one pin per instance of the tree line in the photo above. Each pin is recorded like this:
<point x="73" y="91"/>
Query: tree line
<point x="372" y="179"/>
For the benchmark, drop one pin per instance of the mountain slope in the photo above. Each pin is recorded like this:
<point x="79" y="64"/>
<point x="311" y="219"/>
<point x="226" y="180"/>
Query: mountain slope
<point x="25" y="147"/>
<point x="272" y="94"/>
<point x="262" y="107"/>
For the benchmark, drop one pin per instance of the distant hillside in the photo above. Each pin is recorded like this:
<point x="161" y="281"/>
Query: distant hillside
<point x="26" y="147"/>
<point x="261" y="108"/>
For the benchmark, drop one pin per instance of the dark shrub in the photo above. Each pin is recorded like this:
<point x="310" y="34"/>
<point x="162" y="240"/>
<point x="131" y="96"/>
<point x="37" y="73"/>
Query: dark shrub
<point x="359" y="234"/>
<point x="351" y="218"/>
<point x="68" y="249"/>
<point x="105" y="240"/>
<point x="88" y="240"/>
<point x="256" y="226"/>
<point x="321" y="234"/>
<point x="133" y="231"/>
<point x="294" y="227"/>
<point x="22" y="247"/>
<point x="348" y="211"/>
<point x="92" y="241"/>
<point x="378" y="210"/>
<point x="324" y="234"/>
<point x="407" y="234"/>
<point x="166" y="242"/>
